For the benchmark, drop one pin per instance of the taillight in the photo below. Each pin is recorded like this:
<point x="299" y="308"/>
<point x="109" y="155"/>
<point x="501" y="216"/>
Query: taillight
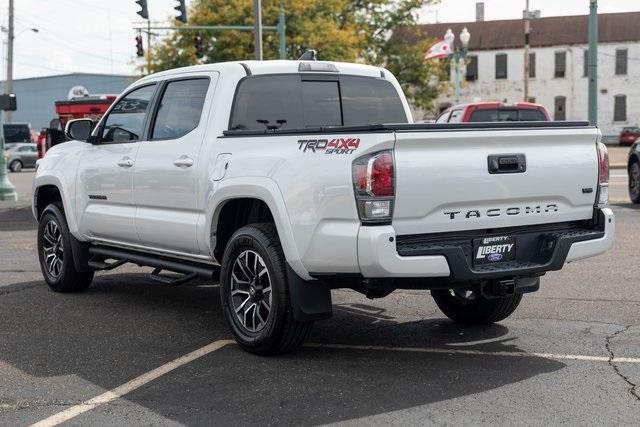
<point x="374" y="185"/>
<point x="603" y="175"/>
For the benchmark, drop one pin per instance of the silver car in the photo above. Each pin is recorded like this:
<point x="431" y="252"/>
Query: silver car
<point x="21" y="155"/>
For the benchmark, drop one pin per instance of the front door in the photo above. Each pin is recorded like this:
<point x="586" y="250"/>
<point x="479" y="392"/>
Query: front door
<point x="168" y="173"/>
<point x="105" y="175"/>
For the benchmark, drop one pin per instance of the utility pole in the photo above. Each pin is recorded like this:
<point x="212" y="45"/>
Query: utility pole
<point x="148" y="46"/>
<point x="593" y="63"/>
<point x="527" y="62"/>
<point x="9" y="83"/>
<point x="257" y="28"/>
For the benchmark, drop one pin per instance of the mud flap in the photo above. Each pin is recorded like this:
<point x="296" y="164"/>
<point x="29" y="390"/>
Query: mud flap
<point x="310" y="300"/>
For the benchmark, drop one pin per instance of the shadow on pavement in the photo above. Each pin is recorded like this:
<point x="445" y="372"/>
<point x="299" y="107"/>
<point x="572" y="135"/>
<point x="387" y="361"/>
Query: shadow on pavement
<point x="126" y="325"/>
<point x="17" y="219"/>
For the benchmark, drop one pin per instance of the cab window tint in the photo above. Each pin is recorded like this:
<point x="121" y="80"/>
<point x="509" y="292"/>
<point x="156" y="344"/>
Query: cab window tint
<point x="180" y="108"/>
<point x="494" y="115"/>
<point x="532" y="116"/>
<point x="367" y="101"/>
<point x="321" y="104"/>
<point x="125" y="122"/>
<point x="289" y="102"/>
<point x="272" y="102"/>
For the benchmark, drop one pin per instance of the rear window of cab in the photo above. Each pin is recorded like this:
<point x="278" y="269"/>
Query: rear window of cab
<point x="507" y="115"/>
<point x="298" y="101"/>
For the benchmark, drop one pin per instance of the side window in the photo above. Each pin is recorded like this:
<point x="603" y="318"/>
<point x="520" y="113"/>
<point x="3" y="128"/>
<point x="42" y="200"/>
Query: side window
<point x="272" y="102"/>
<point x="456" y="116"/>
<point x="367" y="101"/>
<point x="443" y="118"/>
<point x="180" y="108"/>
<point x="125" y="122"/>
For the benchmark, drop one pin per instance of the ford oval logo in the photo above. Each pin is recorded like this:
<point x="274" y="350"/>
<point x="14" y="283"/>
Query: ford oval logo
<point x="494" y="257"/>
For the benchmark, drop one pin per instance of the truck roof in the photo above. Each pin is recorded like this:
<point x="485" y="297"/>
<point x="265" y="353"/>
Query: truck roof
<point x="273" y="67"/>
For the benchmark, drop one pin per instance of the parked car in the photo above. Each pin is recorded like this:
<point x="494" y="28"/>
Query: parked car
<point x="17" y="132"/>
<point x="21" y="155"/>
<point x="494" y="112"/>
<point x="633" y="169"/>
<point x="629" y="135"/>
<point x="281" y="180"/>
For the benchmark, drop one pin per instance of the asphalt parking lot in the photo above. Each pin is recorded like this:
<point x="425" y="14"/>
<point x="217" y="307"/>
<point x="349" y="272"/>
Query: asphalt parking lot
<point x="131" y="351"/>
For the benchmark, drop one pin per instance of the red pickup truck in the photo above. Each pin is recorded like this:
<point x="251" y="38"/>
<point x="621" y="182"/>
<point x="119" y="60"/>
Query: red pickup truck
<point x="86" y="107"/>
<point x="494" y="112"/>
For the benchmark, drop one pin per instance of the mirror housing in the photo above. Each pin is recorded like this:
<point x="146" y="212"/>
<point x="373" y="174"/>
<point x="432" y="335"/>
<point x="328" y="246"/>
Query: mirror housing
<point x="79" y="129"/>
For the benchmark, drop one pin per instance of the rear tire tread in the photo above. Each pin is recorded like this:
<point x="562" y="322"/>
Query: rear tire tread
<point x="292" y="333"/>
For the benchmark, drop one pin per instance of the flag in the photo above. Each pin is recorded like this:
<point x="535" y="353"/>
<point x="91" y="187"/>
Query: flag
<point x="438" y="50"/>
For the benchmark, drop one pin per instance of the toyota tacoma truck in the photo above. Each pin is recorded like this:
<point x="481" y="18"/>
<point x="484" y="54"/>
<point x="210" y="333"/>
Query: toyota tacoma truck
<point x="284" y="180"/>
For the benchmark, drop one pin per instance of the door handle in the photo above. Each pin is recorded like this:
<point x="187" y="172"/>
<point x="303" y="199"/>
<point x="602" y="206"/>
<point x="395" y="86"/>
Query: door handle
<point x="183" y="162"/>
<point x="507" y="163"/>
<point x="125" y="162"/>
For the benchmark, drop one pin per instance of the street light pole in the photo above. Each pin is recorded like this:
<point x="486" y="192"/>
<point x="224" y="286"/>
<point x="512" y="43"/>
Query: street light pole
<point x="257" y="28"/>
<point x="10" y="37"/>
<point x="527" y="63"/>
<point x="593" y="63"/>
<point x="458" y="54"/>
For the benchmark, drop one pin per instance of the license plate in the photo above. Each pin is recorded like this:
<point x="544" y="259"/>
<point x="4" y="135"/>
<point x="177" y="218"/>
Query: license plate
<point x="490" y="250"/>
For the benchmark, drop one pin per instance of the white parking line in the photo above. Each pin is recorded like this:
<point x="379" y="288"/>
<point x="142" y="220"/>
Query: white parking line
<point x="128" y="387"/>
<point x="560" y="356"/>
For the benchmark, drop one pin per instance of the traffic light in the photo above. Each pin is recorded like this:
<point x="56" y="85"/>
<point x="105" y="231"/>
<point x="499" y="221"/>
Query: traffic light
<point x="197" y="43"/>
<point x="139" y="48"/>
<point x="144" y="12"/>
<point x="182" y="17"/>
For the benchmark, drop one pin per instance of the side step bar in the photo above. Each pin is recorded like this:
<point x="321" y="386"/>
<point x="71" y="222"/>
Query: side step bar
<point x="190" y="269"/>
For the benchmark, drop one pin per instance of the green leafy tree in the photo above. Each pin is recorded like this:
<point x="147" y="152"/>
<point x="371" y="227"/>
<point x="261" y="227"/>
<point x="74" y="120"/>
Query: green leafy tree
<point x="340" y="30"/>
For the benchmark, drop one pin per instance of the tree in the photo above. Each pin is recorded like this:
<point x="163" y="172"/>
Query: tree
<point x="340" y="30"/>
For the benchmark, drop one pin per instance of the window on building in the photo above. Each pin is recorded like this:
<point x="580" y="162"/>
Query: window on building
<point x="501" y="66"/>
<point x="472" y="68"/>
<point x="532" y="65"/>
<point x="585" y="64"/>
<point x="561" y="64"/>
<point x="620" y="108"/>
<point x="621" y="61"/>
<point x="560" y="108"/>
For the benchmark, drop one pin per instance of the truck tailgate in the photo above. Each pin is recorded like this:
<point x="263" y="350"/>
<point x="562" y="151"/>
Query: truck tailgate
<point x="476" y="179"/>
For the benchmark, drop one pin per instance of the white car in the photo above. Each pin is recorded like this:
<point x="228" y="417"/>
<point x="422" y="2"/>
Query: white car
<point x="291" y="178"/>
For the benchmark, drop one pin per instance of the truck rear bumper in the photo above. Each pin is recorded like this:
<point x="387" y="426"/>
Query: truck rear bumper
<point x="382" y="254"/>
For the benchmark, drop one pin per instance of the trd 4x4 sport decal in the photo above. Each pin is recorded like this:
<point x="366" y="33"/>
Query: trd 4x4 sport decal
<point x="329" y="146"/>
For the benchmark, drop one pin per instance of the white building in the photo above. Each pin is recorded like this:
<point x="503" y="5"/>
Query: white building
<point x="495" y="66"/>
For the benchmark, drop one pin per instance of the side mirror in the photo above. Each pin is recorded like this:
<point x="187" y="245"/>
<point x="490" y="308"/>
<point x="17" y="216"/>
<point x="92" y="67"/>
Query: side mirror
<point x="79" y="129"/>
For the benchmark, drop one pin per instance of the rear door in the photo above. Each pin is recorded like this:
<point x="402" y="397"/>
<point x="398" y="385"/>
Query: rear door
<point x="446" y="180"/>
<point x="168" y="169"/>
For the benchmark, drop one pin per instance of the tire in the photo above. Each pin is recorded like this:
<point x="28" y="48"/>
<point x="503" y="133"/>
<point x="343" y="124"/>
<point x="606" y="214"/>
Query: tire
<point x="634" y="182"/>
<point x="15" y="166"/>
<point x="472" y="308"/>
<point x="55" y="253"/>
<point x="253" y="262"/>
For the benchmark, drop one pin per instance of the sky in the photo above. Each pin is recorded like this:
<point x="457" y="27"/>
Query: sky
<point x="97" y="36"/>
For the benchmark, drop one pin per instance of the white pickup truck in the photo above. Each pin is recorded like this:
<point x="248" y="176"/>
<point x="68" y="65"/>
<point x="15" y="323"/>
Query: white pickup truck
<point x="287" y="179"/>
